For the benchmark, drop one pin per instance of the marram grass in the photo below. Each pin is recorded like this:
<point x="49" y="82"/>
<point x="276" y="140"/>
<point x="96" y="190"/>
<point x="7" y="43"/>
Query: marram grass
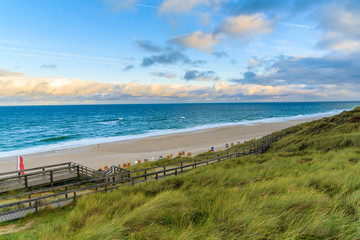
<point x="306" y="186"/>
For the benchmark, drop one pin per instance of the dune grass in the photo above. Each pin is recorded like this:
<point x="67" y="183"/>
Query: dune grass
<point x="306" y="186"/>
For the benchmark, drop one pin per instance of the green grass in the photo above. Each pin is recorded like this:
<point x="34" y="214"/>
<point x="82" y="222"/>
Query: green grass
<point x="306" y="186"/>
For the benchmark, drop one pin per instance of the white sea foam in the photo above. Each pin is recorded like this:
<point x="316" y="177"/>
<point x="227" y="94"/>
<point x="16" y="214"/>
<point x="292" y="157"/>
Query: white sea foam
<point x="94" y="141"/>
<point x="108" y="123"/>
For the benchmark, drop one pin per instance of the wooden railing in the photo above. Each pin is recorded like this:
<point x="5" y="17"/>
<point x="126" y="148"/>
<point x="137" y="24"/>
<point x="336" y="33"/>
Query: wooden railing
<point x="103" y="183"/>
<point x="45" y="175"/>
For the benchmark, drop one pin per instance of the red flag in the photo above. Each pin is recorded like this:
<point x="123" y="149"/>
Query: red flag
<point x="20" y="164"/>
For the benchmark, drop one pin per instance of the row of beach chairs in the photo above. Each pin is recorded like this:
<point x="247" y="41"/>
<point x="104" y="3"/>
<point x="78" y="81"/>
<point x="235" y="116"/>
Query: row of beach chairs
<point x="181" y="154"/>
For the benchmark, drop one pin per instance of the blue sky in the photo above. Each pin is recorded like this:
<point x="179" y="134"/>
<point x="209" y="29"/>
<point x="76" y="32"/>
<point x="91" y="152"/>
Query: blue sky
<point x="142" y="51"/>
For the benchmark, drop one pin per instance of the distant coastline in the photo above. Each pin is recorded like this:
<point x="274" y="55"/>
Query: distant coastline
<point x="153" y="133"/>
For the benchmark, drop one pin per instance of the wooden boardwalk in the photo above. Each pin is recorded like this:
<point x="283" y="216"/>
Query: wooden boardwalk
<point x="16" y="214"/>
<point x="42" y="176"/>
<point x="21" y="204"/>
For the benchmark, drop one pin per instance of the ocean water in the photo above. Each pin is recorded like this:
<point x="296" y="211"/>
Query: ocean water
<point x="32" y="129"/>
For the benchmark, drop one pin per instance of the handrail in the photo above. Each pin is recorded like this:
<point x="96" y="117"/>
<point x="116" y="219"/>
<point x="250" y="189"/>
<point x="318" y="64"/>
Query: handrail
<point x="36" y="168"/>
<point x="199" y="158"/>
<point x="261" y="146"/>
<point x="36" y="173"/>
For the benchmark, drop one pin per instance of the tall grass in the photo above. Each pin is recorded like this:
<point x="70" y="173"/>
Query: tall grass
<point x="306" y="186"/>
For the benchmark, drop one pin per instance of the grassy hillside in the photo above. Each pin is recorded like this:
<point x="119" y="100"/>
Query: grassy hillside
<point x="306" y="186"/>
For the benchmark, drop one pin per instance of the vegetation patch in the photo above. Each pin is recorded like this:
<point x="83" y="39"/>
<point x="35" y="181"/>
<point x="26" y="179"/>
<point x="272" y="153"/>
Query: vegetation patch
<point x="306" y="186"/>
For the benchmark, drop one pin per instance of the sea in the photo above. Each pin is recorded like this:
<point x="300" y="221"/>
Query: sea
<point x="32" y="129"/>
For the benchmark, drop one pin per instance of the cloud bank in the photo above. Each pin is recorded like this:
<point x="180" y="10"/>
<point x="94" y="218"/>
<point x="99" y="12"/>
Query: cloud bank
<point x="16" y="88"/>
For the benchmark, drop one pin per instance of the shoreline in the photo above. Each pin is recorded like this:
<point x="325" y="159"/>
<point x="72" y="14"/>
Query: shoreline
<point x="119" y="152"/>
<point x="154" y="133"/>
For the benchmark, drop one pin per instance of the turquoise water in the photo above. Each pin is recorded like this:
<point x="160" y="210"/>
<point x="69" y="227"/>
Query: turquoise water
<point x="39" y="128"/>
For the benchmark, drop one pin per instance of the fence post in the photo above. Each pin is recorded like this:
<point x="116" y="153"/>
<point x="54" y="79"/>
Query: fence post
<point x="145" y="173"/>
<point x="156" y="176"/>
<point x="30" y="199"/>
<point x="26" y="182"/>
<point x="105" y="187"/>
<point x="36" y="206"/>
<point x="181" y="166"/>
<point x="175" y="171"/>
<point x="218" y="157"/>
<point x="51" y="178"/>
<point x="74" y="196"/>
<point x="66" y="195"/>
<point x="78" y="171"/>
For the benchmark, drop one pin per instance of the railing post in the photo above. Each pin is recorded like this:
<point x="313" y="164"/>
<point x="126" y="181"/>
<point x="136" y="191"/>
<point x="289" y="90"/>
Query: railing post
<point x="175" y="171"/>
<point x="51" y="178"/>
<point x="78" y="171"/>
<point x="66" y="195"/>
<point x="26" y="182"/>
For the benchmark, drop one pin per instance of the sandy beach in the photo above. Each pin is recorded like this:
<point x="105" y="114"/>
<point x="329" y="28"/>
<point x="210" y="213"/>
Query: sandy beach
<point x="115" y="153"/>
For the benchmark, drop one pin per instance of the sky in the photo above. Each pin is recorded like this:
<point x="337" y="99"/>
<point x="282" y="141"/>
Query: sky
<point x="178" y="51"/>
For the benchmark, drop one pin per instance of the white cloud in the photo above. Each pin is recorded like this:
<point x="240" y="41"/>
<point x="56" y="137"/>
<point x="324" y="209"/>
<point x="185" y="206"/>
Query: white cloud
<point x="243" y="27"/>
<point x="254" y="62"/>
<point x="341" y="24"/>
<point x="185" y="6"/>
<point x="246" y="26"/>
<point x="198" y="40"/>
<point x="163" y="74"/>
<point x="22" y="89"/>
<point x="338" y="18"/>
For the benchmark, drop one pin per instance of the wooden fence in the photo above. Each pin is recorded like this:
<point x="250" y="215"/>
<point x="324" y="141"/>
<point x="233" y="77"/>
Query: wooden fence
<point x="45" y="175"/>
<point x="60" y="195"/>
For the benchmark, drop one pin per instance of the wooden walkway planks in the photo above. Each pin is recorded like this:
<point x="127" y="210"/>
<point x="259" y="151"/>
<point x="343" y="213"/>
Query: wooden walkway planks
<point x="46" y="175"/>
<point x="114" y="181"/>
<point x="16" y="214"/>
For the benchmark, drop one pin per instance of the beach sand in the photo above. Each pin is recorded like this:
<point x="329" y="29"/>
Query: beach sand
<point x="115" y="153"/>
